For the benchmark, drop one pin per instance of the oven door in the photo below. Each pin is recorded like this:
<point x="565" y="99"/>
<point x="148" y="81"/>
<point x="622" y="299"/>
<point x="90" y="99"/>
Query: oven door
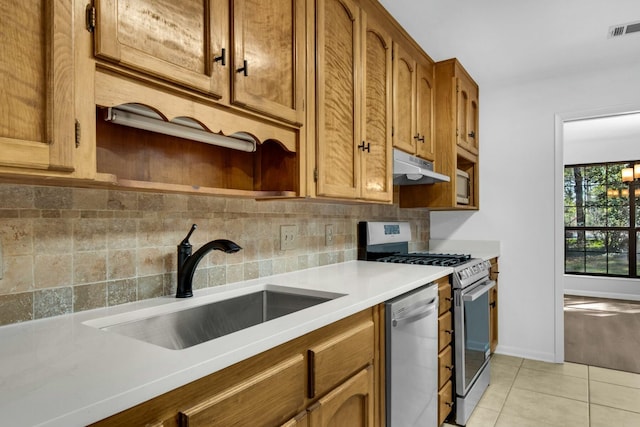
<point x="471" y="321"/>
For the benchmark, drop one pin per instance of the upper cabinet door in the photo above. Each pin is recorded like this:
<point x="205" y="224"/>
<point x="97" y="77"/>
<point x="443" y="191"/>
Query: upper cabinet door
<point x="404" y="100"/>
<point x="268" y="59"/>
<point x="467" y="121"/>
<point x="376" y="175"/>
<point x="184" y="42"/>
<point x="338" y="98"/>
<point x="425" y="144"/>
<point x="37" y="114"/>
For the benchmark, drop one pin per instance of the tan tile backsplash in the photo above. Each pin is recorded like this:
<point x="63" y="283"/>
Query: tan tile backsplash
<point x="70" y="249"/>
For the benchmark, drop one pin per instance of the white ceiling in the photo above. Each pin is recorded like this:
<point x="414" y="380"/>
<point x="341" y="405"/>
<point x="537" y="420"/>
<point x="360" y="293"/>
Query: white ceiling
<point x="499" y="41"/>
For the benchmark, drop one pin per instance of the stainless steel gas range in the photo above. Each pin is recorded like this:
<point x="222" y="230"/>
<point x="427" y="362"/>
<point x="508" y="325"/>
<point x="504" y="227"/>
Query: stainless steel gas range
<point x="389" y="242"/>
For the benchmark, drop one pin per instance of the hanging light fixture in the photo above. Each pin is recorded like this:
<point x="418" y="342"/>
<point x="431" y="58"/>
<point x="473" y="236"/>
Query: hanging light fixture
<point x="627" y="174"/>
<point x="631" y="173"/>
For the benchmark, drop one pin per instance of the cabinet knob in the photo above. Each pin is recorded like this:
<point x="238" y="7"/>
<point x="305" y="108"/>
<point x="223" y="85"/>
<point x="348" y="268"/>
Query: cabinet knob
<point x="364" y="147"/>
<point x="222" y="59"/>
<point x="244" y="69"/>
<point x="492" y="304"/>
<point x="472" y="134"/>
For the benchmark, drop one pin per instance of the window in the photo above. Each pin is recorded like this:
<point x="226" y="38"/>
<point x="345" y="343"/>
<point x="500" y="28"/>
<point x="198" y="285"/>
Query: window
<point x="601" y="221"/>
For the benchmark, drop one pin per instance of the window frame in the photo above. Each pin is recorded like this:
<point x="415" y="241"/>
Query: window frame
<point x="632" y="230"/>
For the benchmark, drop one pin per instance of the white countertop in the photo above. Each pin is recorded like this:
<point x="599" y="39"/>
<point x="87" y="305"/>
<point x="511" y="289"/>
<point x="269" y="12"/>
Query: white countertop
<point x="63" y="372"/>
<point x="484" y="249"/>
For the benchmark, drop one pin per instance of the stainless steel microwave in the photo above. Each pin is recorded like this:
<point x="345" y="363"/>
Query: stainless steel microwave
<point x="463" y="187"/>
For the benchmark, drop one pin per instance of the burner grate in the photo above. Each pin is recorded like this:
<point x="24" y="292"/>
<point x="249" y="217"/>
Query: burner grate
<point x="425" y="258"/>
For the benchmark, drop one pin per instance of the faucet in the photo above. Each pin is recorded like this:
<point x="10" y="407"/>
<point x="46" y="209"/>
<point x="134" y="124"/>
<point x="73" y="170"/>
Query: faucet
<point x="187" y="263"/>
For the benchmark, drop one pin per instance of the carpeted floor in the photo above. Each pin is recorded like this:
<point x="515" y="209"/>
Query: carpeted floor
<point x="602" y="332"/>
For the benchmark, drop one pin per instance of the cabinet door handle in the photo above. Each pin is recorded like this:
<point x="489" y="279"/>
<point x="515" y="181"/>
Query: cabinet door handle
<point x="492" y="304"/>
<point x="449" y="404"/>
<point x="450" y="331"/>
<point x="364" y="147"/>
<point x="222" y="59"/>
<point x="449" y="299"/>
<point x="472" y="134"/>
<point x="419" y="138"/>
<point x="244" y="69"/>
<point x="450" y="367"/>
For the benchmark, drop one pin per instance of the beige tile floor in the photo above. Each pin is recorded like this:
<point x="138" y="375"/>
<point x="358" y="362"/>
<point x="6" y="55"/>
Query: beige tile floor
<point x="529" y="393"/>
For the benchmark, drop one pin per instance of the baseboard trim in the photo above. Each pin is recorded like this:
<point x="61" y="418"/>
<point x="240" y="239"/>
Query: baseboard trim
<point x="525" y="353"/>
<point x="596" y="294"/>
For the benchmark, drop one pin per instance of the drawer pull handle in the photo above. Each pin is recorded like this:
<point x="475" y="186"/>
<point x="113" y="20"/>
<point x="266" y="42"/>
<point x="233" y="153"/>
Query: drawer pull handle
<point x="222" y="59"/>
<point x="365" y="147"/>
<point x="244" y="70"/>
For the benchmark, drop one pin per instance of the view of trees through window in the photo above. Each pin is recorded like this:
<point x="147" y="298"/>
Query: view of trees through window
<point x="602" y="220"/>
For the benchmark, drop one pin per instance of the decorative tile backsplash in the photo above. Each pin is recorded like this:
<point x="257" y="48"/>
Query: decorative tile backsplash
<point x="71" y="249"/>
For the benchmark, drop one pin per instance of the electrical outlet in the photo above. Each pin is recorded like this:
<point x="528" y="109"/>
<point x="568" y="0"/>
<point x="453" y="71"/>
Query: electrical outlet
<point x="328" y="235"/>
<point x="288" y="237"/>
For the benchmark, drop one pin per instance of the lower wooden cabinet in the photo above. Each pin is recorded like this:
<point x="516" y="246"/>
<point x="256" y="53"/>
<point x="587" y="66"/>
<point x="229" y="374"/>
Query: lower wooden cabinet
<point x="445" y="355"/>
<point x="258" y="401"/>
<point x="327" y="377"/>
<point x="445" y="401"/>
<point x="349" y="405"/>
<point x="445" y="330"/>
<point x="335" y="359"/>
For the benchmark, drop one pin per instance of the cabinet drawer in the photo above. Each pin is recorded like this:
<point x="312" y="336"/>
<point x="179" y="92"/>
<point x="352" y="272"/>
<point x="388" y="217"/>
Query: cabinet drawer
<point x="445" y="402"/>
<point x="335" y="359"/>
<point x="444" y="296"/>
<point x="266" y="399"/>
<point x="445" y="330"/>
<point x="445" y="365"/>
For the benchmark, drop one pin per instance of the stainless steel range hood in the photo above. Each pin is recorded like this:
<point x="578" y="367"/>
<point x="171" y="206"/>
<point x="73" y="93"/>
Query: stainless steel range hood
<point x="411" y="170"/>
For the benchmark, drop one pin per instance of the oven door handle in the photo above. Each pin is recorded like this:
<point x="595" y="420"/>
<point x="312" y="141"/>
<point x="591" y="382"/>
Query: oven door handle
<point x="417" y="313"/>
<point x="479" y="291"/>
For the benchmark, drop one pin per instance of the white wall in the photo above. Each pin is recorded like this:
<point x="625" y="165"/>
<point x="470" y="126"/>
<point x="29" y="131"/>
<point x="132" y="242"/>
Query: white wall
<point x="602" y="139"/>
<point x="517" y="184"/>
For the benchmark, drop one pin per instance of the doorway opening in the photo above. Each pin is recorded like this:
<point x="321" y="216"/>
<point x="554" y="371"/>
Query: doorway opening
<point x="596" y="315"/>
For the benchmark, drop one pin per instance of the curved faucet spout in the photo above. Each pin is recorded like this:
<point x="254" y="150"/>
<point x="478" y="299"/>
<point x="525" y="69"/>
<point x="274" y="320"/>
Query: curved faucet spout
<point x="188" y="263"/>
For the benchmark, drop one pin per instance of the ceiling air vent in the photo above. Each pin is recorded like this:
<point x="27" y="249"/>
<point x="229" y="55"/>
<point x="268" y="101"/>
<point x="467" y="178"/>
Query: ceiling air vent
<point x="624" y="29"/>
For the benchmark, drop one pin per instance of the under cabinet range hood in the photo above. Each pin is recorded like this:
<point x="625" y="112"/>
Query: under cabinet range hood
<point x="411" y="170"/>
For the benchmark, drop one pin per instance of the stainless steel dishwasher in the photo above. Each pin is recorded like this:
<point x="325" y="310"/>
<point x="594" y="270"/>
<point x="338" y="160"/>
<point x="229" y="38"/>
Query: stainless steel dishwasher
<point x="412" y="358"/>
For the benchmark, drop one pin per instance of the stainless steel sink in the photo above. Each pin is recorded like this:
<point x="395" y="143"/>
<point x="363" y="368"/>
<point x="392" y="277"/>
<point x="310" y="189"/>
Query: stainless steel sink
<point x="185" y="328"/>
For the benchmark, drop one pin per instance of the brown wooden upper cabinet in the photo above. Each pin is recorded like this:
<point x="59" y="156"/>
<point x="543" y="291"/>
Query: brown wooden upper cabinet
<point x="37" y="130"/>
<point x="467" y="120"/>
<point x="353" y="97"/>
<point x="456" y="142"/>
<point x="412" y="104"/>
<point x="244" y="52"/>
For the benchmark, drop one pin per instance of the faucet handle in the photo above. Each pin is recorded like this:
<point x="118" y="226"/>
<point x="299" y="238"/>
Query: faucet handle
<point x="185" y="242"/>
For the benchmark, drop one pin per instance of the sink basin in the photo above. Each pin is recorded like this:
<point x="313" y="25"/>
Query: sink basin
<point x="188" y="327"/>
